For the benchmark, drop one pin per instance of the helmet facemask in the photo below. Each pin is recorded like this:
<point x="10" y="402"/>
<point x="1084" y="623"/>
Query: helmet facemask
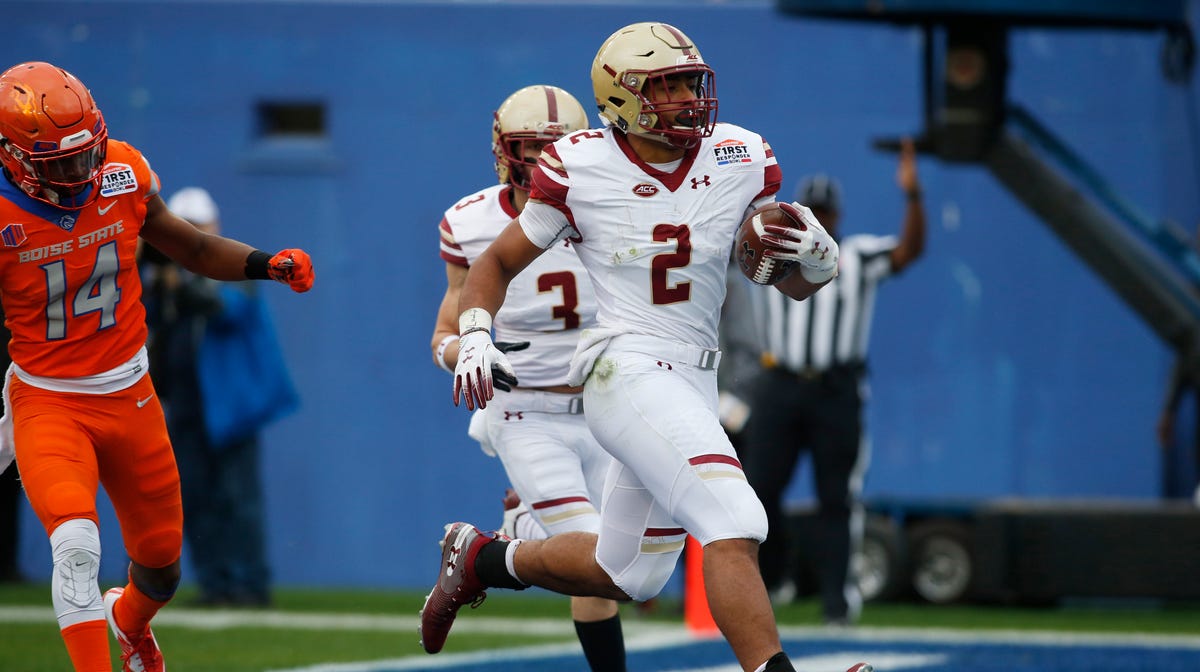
<point x="59" y="176"/>
<point x="518" y="155"/>
<point x="682" y="120"/>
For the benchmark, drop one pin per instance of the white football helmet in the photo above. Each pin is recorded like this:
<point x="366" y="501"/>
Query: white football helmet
<point x="638" y="54"/>
<point x="535" y="115"/>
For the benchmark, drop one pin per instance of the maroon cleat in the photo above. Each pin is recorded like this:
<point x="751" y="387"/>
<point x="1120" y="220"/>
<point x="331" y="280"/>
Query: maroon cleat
<point x="861" y="667"/>
<point x="457" y="584"/>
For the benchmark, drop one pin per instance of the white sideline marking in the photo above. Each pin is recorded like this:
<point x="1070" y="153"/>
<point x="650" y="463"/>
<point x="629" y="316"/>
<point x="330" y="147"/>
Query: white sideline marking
<point x="640" y="642"/>
<point x="1022" y="637"/>
<point x="840" y="661"/>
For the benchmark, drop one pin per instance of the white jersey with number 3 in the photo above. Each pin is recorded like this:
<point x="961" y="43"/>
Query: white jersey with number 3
<point x="656" y="243"/>
<point x="547" y="303"/>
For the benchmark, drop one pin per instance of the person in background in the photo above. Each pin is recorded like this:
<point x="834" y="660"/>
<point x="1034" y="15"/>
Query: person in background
<point x="537" y="429"/>
<point x="809" y="394"/>
<point x="219" y="470"/>
<point x="81" y="409"/>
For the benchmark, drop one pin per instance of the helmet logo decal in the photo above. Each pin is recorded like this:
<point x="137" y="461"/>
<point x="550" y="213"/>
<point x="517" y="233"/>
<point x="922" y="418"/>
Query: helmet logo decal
<point x="118" y="179"/>
<point x="731" y="151"/>
<point x="13" y="235"/>
<point x="645" y="190"/>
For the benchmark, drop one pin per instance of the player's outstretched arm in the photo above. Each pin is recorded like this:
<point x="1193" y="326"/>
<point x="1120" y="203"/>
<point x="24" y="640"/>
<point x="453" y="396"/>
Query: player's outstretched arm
<point x="218" y="257"/>
<point x="480" y="363"/>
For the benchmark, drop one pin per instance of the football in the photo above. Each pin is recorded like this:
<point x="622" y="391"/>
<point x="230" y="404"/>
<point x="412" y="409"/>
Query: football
<point x="748" y="246"/>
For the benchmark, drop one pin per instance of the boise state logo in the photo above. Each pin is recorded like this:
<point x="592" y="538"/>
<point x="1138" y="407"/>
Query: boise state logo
<point x="66" y="222"/>
<point x="13" y="235"/>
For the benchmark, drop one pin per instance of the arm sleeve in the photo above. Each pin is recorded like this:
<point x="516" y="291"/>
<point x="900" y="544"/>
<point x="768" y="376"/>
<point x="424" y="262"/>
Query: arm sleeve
<point x="544" y="224"/>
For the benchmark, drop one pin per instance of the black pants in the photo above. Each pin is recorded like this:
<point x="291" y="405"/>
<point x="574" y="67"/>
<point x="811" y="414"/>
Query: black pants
<point x="822" y="416"/>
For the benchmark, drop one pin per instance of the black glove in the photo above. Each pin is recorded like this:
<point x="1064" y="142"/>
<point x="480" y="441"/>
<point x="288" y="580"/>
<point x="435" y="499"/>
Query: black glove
<point x="500" y="379"/>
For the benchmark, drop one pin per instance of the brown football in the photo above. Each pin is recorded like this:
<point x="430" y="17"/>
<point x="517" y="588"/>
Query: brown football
<point x="748" y="246"/>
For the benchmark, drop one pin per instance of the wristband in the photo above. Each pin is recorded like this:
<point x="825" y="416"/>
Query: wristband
<point x="257" y="264"/>
<point x="441" y="352"/>
<point x="474" y="319"/>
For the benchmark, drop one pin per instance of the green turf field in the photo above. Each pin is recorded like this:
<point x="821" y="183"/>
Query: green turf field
<point x="307" y="627"/>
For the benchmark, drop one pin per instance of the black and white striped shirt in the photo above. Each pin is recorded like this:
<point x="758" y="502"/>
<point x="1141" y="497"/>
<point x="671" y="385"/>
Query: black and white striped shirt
<point x="833" y="326"/>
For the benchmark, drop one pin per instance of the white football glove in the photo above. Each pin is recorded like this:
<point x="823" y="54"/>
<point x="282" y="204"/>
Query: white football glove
<point x="808" y="245"/>
<point x="481" y="365"/>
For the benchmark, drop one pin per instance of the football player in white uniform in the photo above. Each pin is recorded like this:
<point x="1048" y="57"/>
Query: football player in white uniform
<point x="651" y="204"/>
<point x="537" y="429"/>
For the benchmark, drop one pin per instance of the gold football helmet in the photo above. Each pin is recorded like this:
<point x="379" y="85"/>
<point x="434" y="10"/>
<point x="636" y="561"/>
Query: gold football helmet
<point x="636" y="55"/>
<point x="527" y="121"/>
<point x="53" y="139"/>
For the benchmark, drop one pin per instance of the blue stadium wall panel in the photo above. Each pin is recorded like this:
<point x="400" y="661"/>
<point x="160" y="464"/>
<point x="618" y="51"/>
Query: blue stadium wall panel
<point x="1002" y="366"/>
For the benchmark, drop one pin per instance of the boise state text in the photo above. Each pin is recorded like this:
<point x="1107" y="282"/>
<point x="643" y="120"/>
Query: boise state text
<point x="68" y="246"/>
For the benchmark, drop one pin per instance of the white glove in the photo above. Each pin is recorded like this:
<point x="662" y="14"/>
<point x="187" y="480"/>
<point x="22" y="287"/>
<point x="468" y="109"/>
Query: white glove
<point x="808" y="244"/>
<point x="477" y="358"/>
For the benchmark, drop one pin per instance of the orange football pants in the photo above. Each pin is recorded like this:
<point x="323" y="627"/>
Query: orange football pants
<point x="66" y="443"/>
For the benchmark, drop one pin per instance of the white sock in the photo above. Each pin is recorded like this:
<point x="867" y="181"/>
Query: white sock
<point x="509" y="554"/>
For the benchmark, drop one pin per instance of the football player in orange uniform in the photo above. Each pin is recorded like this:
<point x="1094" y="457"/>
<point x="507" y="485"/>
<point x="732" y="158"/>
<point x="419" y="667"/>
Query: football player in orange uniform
<point x="82" y="409"/>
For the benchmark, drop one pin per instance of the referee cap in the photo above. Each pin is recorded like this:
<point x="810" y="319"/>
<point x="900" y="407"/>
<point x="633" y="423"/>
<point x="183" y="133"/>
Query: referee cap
<point x="820" y="191"/>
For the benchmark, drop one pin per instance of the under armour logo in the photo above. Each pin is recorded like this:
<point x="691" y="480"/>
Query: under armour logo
<point x="509" y="415"/>
<point x="697" y="182"/>
<point x="666" y="365"/>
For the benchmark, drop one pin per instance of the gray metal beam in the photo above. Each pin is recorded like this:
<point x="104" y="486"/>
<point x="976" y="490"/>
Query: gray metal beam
<point x="1163" y="297"/>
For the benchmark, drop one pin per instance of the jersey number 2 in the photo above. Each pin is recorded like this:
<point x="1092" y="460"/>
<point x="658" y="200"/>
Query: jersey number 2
<point x="661" y="292"/>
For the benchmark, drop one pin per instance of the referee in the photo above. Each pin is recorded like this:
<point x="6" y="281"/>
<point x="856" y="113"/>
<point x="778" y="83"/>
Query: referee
<point x="808" y="394"/>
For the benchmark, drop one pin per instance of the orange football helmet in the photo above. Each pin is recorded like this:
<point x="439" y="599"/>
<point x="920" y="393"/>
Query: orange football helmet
<point x="636" y="55"/>
<point x="535" y="115"/>
<point x="53" y="139"/>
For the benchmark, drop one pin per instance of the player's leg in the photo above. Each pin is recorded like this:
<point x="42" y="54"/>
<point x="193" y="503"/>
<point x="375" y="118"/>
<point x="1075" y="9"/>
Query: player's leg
<point x="558" y="469"/>
<point x="137" y="468"/>
<point x="661" y="423"/>
<point x="59" y="472"/>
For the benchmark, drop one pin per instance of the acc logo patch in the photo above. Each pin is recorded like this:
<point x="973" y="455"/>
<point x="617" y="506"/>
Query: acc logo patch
<point x="645" y="189"/>
<point x="13" y="235"/>
<point x="731" y="151"/>
<point x="118" y="179"/>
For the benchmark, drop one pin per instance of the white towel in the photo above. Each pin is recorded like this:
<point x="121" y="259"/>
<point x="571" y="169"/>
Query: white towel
<point x="478" y="430"/>
<point x="592" y="343"/>
<point x="8" y="448"/>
